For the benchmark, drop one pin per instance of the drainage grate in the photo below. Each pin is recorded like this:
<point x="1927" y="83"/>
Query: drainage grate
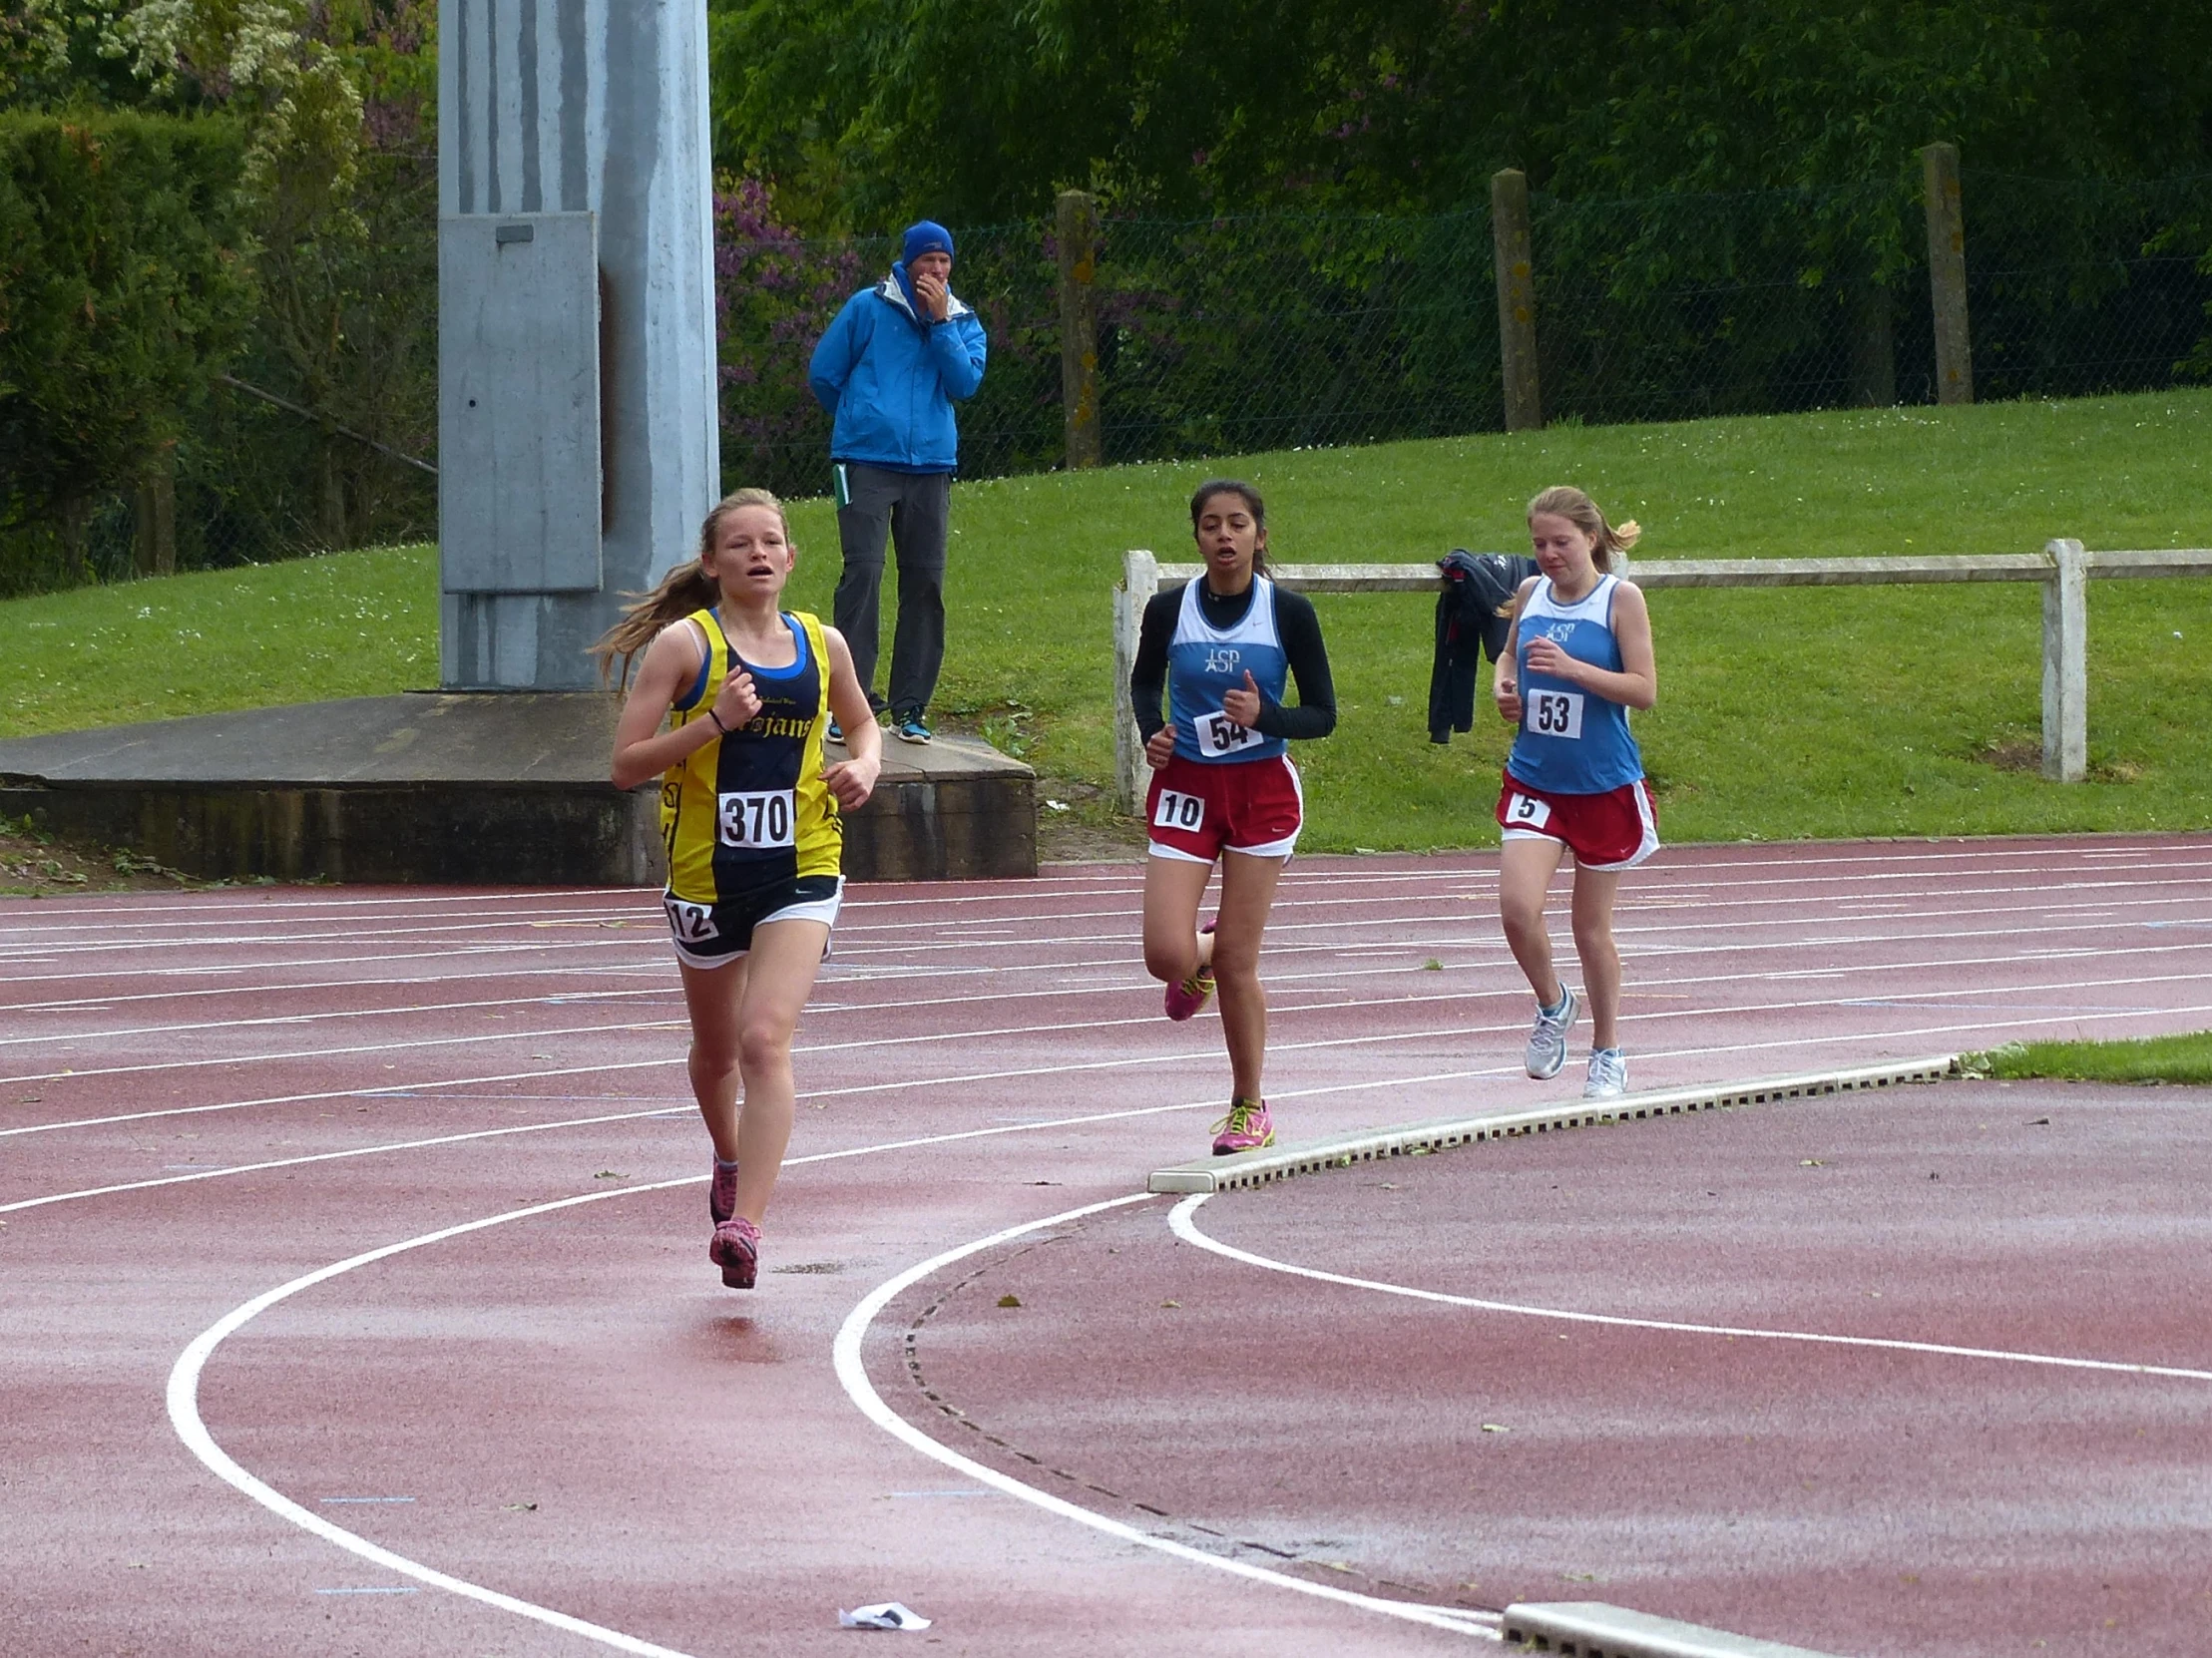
<point x="1591" y="1629"/>
<point x="1257" y="1168"/>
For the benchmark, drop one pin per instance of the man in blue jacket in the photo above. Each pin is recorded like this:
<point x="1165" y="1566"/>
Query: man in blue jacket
<point x="889" y="371"/>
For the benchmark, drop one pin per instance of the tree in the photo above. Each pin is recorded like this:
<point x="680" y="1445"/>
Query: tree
<point x="123" y="289"/>
<point x="979" y="109"/>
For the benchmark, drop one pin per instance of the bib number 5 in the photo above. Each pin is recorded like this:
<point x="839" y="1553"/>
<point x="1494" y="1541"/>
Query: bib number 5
<point x="757" y="822"/>
<point x="1526" y="811"/>
<point x="1556" y="714"/>
<point x="1218" y="735"/>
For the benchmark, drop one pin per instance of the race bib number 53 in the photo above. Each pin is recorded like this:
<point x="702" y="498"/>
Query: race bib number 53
<point x="757" y="821"/>
<point x="1555" y="713"/>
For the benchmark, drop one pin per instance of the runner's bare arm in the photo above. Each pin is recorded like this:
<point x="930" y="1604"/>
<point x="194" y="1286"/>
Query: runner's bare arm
<point x="641" y="749"/>
<point x="851" y="780"/>
<point x="1505" y="673"/>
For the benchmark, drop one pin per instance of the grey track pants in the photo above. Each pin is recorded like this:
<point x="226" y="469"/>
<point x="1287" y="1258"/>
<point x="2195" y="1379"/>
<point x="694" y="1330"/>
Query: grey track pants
<point x="912" y="508"/>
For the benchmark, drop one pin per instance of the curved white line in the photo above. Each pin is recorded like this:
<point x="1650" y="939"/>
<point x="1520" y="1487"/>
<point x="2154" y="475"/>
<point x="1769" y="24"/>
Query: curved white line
<point x="183" y="1400"/>
<point x="1185" y="1227"/>
<point x="853" y="1374"/>
<point x="184" y="1414"/>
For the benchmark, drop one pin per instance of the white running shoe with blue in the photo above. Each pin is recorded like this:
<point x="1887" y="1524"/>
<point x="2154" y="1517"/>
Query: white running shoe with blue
<point x="1548" y="1041"/>
<point x="1609" y="1074"/>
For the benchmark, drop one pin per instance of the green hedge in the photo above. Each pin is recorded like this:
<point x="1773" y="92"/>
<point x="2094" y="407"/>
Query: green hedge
<point x="125" y="286"/>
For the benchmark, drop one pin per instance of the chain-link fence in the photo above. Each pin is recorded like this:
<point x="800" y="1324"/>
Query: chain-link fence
<point x="1273" y="332"/>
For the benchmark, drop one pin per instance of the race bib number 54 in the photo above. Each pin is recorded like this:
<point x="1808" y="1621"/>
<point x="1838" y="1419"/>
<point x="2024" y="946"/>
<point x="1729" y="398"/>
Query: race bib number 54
<point x="1218" y="735"/>
<point x="757" y="821"/>
<point x="1555" y="713"/>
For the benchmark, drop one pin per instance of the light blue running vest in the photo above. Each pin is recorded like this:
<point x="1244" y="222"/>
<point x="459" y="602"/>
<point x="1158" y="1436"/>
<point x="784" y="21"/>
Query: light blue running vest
<point x="1203" y="666"/>
<point x="1571" y="741"/>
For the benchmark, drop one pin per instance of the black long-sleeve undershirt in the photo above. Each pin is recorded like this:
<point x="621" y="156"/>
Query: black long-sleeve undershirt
<point x="1314" y="714"/>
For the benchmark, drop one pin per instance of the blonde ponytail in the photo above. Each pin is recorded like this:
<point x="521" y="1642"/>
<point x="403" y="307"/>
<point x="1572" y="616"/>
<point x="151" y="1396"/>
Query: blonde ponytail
<point x="685" y="588"/>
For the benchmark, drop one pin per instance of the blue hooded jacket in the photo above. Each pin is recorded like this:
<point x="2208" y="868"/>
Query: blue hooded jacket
<point x="889" y="378"/>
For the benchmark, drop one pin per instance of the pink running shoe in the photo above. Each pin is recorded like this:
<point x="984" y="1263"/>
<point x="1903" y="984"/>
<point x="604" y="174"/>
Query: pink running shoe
<point x="721" y="1193"/>
<point x="1247" y="1127"/>
<point x="1184" y="1000"/>
<point x="736" y="1250"/>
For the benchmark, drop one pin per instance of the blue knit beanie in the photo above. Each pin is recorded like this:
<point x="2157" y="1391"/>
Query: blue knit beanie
<point x="928" y="237"/>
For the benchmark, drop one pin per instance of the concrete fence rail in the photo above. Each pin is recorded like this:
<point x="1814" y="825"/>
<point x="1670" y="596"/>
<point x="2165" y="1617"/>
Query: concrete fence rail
<point x="2064" y="567"/>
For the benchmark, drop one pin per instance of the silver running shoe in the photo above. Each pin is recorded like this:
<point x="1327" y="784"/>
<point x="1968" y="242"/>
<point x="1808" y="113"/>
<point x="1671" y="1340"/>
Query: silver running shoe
<point x="1609" y="1074"/>
<point x="1548" y="1041"/>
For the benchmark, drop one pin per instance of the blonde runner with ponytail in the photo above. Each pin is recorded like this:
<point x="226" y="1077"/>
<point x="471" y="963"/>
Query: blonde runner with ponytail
<point x="685" y="589"/>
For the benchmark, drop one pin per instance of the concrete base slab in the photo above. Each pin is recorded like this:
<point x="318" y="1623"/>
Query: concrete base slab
<point x="506" y="787"/>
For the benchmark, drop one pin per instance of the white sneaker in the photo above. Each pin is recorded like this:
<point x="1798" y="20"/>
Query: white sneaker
<point x="1609" y="1074"/>
<point x="1548" y="1041"/>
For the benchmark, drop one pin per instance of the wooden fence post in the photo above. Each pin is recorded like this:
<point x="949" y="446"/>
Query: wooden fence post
<point x="156" y="514"/>
<point x="1076" y="222"/>
<point x="1139" y="581"/>
<point x="1947" y="272"/>
<point x="2066" y="663"/>
<point x="1517" y="299"/>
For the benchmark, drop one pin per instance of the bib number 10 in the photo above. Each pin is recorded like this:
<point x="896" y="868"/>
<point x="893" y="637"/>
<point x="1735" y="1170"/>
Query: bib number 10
<point x="757" y="821"/>
<point x="1179" y="811"/>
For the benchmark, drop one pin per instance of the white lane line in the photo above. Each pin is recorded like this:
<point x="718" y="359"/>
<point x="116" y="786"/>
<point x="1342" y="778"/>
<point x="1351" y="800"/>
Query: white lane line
<point x="1858" y="1038"/>
<point x="1630" y="926"/>
<point x="1648" y="896"/>
<point x="1456" y="996"/>
<point x="1020" y="1126"/>
<point x="1802" y="861"/>
<point x="1180" y="1220"/>
<point x="1280" y="933"/>
<point x="638" y="1025"/>
<point x="1414" y="945"/>
<point x="184" y="1417"/>
<point x="852" y="1373"/>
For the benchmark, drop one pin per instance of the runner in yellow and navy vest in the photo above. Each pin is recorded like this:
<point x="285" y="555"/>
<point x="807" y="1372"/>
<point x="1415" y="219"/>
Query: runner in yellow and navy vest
<point x="730" y="705"/>
<point x="1225" y="647"/>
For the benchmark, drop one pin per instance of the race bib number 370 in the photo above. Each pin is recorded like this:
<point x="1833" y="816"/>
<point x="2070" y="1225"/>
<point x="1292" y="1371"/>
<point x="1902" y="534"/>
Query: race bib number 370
<point x="1555" y="713"/>
<point x="757" y="821"/>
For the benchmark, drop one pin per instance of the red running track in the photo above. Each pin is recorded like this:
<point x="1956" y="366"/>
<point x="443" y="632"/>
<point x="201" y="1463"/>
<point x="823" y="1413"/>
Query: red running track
<point x="526" y="1388"/>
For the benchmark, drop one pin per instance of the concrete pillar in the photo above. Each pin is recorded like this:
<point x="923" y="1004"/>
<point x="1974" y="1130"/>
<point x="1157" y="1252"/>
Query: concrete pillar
<point x="1139" y="581"/>
<point x="2066" y="663"/>
<point x="548" y="110"/>
<point x="1517" y="299"/>
<point x="1947" y="272"/>
<point x="1076" y="231"/>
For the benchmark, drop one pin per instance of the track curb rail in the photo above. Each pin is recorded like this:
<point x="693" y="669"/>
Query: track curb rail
<point x="1247" y="1169"/>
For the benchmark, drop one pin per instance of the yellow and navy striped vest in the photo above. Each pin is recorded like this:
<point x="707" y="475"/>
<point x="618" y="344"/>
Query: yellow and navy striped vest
<point x="751" y="809"/>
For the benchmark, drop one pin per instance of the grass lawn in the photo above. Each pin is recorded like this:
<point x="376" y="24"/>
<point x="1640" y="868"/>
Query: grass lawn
<point x="2144" y="1060"/>
<point x="1786" y="713"/>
